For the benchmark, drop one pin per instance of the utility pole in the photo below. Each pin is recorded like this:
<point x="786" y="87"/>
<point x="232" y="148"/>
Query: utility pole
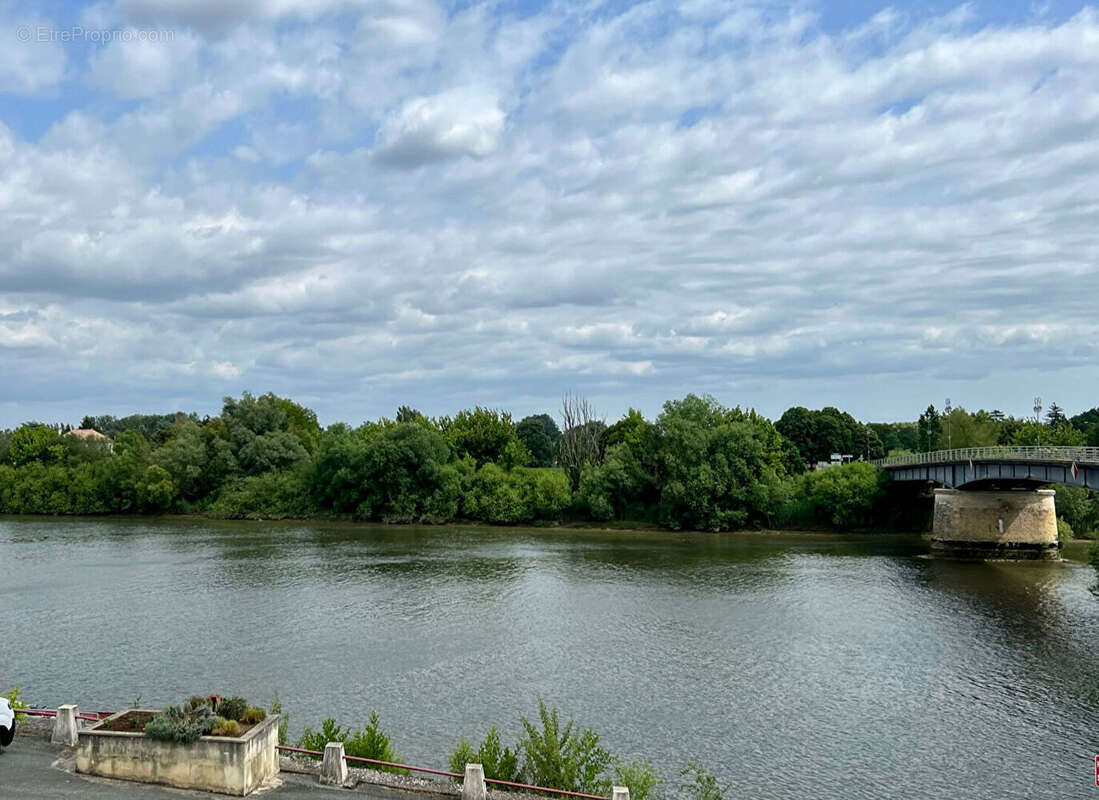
<point x="949" y="433"/>
<point x="1038" y="418"/>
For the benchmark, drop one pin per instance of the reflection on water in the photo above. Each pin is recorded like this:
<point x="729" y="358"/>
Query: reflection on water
<point x="793" y="665"/>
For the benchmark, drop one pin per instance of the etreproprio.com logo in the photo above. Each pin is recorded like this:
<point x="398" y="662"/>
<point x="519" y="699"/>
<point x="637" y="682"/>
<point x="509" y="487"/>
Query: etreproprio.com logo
<point x="78" y="33"/>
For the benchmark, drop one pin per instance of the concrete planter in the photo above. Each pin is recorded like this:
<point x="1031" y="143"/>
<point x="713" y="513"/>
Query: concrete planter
<point x="213" y="763"/>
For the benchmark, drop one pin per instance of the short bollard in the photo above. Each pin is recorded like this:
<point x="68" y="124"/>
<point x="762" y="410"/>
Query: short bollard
<point x="334" y="768"/>
<point x="620" y="793"/>
<point x="65" y="726"/>
<point x="473" y="785"/>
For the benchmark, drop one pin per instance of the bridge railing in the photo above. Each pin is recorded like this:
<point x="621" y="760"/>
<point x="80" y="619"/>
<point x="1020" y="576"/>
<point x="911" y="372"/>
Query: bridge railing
<point x="1078" y="455"/>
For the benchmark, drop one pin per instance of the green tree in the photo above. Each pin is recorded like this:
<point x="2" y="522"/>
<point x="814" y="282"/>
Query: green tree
<point x="929" y="431"/>
<point x="1030" y="434"/>
<point x="561" y="757"/>
<point x="485" y="435"/>
<point x="35" y="442"/>
<point x="719" y="467"/>
<point x="539" y="435"/>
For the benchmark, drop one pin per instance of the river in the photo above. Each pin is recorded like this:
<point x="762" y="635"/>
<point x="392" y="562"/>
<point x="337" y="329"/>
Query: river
<point x="792" y="665"/>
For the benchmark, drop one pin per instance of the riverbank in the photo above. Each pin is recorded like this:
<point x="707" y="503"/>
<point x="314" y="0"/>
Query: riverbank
<point x="566" y="526"/>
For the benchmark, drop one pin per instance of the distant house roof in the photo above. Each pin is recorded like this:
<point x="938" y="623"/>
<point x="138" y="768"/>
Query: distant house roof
<point x="89" y="433"/>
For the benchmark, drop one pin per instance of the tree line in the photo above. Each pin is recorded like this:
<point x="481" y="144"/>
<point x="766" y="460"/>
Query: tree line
<point x="698" y="465"/>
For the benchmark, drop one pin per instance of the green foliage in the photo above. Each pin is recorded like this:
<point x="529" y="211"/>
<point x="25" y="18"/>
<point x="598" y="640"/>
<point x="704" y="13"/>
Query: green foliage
<point x="1093" y="555"/>
<point x="819" y="434"/>
<point x="499" y="762"/>
<point x="284" y="719"/>
<point x="1064" y="531"/>
<point x="523" y="494"/>
<point x="698" y="784"/>
<point x="640" y="778"/>
<point x="560" y="757"/>
<point x="152" y="427"/>
<point x="35" y="442"/>
<point x="233" y="708"/>
<point x="253" y="715"/>
<point x="271" y="495"/>
<point x="15" y="698"/>
<point x="225" y="727"/>
<point x="539" y="435"/>
<point x="369" y="742"/>
<point x="175" y="724"/>
<point x="372" y="742"/>
<point x="1079" y="507"/>
<point x="485" y="435"/>
<point x="316" y="740"/>
<point x="719" y="466"/>
<point x="840" y="497"/>
<point x="195" y="701"/>
<point x="1031" y="434"/>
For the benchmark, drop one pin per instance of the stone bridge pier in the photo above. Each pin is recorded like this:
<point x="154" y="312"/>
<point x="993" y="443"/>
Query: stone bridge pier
<point x="1018" y="524"/>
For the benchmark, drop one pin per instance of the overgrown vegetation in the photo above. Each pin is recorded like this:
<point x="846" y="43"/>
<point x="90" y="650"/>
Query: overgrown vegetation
<point x="698" y="465"/>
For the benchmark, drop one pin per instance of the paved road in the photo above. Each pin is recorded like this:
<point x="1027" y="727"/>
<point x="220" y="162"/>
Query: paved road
<point x="28" y="772"/>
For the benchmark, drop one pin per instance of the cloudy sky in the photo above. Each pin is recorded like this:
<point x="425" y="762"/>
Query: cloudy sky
<point x="364" y="203"/>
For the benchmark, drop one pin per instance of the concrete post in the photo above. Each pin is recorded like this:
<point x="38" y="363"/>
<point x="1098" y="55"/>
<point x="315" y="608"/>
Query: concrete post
<point x="65" y="726"/>
<point x="620" y="793"/>
<point x="334" y="768"/>
<point x="473" y="785"/>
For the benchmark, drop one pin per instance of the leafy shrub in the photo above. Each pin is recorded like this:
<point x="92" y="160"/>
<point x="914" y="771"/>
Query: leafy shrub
<point x="316" y="740"/>
<point x="195" y="701"/>
<point x="500" y="763"/>
<point x="1064" y="531"/>
<point x="253" y="715"/>
<point x="642" y="780"/>
<point x="15" y="697"/>
<point x="698" y="784"/>
<point x="225" y="727"/>
<point x="271" y="495"/>
<point x="173" y="724"/>
<point x="370" y="742"/>
<point x="232" y="708"/>
<point x="559" y="758"/>
<point x="284" y="719"/>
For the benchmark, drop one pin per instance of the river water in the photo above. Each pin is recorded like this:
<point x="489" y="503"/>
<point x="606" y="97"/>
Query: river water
<point x="791" y="665"/>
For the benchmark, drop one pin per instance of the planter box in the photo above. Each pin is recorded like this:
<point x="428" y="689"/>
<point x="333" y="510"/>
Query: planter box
<point x="213" y="763"/>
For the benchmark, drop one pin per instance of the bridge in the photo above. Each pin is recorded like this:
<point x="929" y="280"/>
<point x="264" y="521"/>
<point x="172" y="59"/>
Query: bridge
<point x="998" y="467"/>
<point x="990" y="504"/>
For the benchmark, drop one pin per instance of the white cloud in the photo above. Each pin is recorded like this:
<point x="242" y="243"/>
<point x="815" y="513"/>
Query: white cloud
<point x="466" y="121"/>
<point x="675" y="198"/>
<point x="31" y="61"/>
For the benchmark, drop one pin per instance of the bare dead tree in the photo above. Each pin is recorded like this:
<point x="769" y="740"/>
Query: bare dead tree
<point x="579" y="446"/>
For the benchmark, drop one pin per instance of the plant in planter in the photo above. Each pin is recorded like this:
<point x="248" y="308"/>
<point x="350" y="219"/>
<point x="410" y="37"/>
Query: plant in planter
<point x="175" y="724"/>
<point x="189" y="746"/>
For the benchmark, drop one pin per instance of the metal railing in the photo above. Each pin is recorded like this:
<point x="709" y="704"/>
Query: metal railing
<point x="1068" y="455"/>
<point x="373" y="761"/>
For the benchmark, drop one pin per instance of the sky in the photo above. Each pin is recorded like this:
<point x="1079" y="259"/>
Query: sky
<point x="361" y="204"/>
